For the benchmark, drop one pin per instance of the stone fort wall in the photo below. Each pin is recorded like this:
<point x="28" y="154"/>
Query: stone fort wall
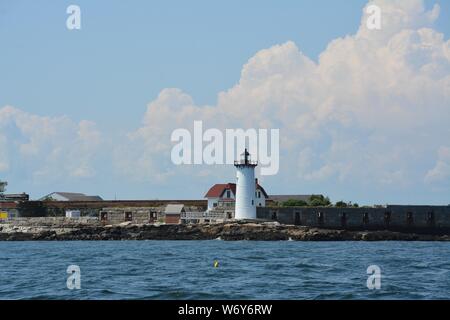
<point x="398" y="217"/>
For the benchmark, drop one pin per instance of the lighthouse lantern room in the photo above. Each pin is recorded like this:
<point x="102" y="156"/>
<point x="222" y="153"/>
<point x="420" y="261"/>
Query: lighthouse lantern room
<point x="245" y="207"/>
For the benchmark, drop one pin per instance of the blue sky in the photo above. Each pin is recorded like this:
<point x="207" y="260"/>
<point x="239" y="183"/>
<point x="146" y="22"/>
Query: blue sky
<point x="127" y="53"/>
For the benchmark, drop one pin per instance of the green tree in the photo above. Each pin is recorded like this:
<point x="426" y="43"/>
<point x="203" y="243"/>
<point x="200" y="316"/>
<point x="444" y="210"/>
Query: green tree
<point x="319" y="201"/>
<point x="3" y="185"/>
<point x="294" y="203"/>
<point x="341" y="204"/>
<point x="48" y="198"/>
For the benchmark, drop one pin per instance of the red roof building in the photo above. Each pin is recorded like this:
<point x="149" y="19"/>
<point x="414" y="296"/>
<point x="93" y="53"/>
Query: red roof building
<point x="224" y="195"/>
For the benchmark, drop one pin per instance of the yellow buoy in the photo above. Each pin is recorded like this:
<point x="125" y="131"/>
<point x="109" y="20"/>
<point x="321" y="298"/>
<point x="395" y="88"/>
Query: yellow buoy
<point x="216" y="264"/>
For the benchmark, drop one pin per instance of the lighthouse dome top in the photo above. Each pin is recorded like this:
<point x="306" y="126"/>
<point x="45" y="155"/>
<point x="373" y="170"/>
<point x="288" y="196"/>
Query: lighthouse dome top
<point x="245" y="160"/>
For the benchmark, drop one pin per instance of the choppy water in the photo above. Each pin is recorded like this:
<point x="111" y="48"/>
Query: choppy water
<point x="247" y="270"/>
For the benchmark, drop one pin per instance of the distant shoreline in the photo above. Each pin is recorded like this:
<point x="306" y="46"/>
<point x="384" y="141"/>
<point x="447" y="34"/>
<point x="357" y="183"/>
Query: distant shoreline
<point x="230" y="231"/>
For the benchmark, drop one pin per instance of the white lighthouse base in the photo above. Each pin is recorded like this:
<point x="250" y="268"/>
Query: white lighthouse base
<point x="245" y="208"/>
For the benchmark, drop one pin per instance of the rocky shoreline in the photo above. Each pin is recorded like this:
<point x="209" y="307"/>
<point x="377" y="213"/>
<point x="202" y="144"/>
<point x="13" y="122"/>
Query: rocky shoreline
<point x="232" y="231"/>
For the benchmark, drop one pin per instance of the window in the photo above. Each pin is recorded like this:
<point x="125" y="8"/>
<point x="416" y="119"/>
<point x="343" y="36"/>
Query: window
<point x="228" y="194"/>
<point x="215" y="204"/>
<point x="253" y="202"/>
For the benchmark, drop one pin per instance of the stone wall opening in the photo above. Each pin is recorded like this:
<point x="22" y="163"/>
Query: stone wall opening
<point x="274" y="216"/>
<point x="297" y="220"/>
<point x="128" y="216"/>
<point x="366" y="218"/>
<point x="343" y="219"/>
<point x="103" y="216"/>
<point x="320" y="219"/>
<point x="430" y="219"/>
<point x="409" y="218"/>
<point x="387" y="218"/>
<point x="153" y="216"/>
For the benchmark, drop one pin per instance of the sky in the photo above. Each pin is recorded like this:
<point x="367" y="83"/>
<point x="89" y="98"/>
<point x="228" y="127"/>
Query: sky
<point x="363" y="114"/>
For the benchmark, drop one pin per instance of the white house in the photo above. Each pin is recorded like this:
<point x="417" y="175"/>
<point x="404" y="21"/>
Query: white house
<point x="224" y="196"/>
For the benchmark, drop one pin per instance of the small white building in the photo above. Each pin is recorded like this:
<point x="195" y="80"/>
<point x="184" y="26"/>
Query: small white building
<point x="173" y="213"/>
<point x="73" y="214"/>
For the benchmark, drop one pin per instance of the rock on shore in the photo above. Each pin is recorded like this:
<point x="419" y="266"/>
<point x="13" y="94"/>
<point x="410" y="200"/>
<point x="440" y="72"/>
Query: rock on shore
<point x="264" y="231"/>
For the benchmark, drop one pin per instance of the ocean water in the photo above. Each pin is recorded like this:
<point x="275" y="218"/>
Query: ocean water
<point x="247" y="270"/>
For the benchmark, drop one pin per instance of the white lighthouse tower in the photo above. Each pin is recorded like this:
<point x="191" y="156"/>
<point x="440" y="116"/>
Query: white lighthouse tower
<point x="245" y="207"/>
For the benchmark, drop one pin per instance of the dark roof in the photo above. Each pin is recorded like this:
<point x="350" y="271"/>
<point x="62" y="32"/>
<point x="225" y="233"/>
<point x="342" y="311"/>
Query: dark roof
<point x="286" y="197"/>
<point x="15" y="196"/>
<point x="258" y="186"/>
<point x="8" y="205"/>
<point x="72" y="196"/>
<point x="218" y="190"/>
<point x="174" y="209"/>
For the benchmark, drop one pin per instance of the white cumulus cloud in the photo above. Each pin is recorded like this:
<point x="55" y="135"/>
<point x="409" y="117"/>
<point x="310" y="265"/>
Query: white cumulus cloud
<point x="441" y="171"/>
<point x="47" y="147"/>
<point x="372" y="110"/>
